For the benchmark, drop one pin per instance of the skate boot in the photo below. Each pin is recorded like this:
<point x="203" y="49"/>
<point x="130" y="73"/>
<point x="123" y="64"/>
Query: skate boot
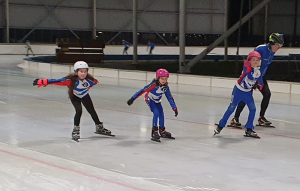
<point x="218" y="130"/>
<point x="262" y="121"/>
<point x="101" y="130"/>
<point x="164" y="134"/>
<point x="251" y="133"/>
<point x="76" y="133"/>
<point x="235" y="122"/>
<point x="154" y="134"/>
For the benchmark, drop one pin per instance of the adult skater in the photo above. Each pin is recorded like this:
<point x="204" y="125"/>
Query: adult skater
<point x="267" y="52"/>
<point x="154" y="92"/>
<point x="79" y="84"/>
<point x="242" y="91"/>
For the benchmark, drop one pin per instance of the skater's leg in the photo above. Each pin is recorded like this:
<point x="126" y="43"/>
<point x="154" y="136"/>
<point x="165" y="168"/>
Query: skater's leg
<point x="153" y="108"/>
<point x="239" y="109"/>
<point x="252" y="110"/>
<point x="88" y="104"/>
<point x="78" y="112"/>
<point x="266" y="98"/>
<point x="236" y="98"/>
<point x="76" y="101"/>
<point x="161" y="115"/>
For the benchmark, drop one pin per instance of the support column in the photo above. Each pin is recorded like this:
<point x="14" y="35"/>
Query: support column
<point x="225" y="29"/>
<point x="134" y="31"/>
<point x="181" y="34"/>
<point x="6" y="39"/>
<point x="266" y="24"/>
<point x="94" y="19"/>
<point x="295" y="17"/>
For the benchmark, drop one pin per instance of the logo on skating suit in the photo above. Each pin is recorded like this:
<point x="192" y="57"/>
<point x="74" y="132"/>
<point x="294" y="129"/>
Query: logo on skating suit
<point x="162" y="89"/>
<point x="256" y="73"/>
<point x="85" y="84"/>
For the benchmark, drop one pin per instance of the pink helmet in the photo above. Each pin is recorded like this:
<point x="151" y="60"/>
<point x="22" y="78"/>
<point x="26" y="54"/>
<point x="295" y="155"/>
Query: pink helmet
<point x="162" y="73"/>
<point x="253" y="54"/>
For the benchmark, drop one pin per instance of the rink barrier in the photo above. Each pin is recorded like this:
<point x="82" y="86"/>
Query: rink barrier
<point x="208" y="81"/>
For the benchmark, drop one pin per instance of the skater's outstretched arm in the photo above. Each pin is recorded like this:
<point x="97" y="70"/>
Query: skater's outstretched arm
<point x="171" y="100"/>
<point x="45" y="82"/>
<point x="147" y="88"/>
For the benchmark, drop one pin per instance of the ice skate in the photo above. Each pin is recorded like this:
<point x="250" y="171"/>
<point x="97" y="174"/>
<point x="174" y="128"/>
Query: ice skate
<point x="101" y="130"/>
<point x="154" y="134"/>
<point x="164" y="134"/>
<point x="235" y="123"/>
<point x="262" y="121"/>
<point x="76" y="133"/>
<point x="218" y="129"/>
<point x="251" y="133"/>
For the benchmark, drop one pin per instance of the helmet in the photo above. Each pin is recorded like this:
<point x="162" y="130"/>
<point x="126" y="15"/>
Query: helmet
<point x="80" y="64"/>
<point x="162" y="73"/>
<point x="253" y="54"/>
<point x="276" y="39"/>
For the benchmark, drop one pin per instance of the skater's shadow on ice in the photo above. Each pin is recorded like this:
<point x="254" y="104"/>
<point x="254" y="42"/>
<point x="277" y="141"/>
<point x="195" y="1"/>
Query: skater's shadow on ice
<point x="130" y="143"/>
<point x="229" y="140"/>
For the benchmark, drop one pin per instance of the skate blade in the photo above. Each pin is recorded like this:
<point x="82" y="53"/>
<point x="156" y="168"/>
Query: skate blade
<point x="76" y="140"/>
<point x="234" y="126"/>
<point x="259" y="125"/>
<point x="252" y="137"/>
<point x="168" y="137"/>
<point x="110" y="135"/>
<point x="155" y="140"/>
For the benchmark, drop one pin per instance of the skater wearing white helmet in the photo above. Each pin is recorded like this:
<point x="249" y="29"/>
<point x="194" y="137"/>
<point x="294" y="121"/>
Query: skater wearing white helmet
<point x="79" y="84"/>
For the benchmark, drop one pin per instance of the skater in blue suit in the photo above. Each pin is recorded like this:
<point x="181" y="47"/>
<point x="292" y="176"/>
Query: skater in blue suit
<point x="154" y="92"/>
<point x="126" y="46"/>
<point x="242" y="91"/>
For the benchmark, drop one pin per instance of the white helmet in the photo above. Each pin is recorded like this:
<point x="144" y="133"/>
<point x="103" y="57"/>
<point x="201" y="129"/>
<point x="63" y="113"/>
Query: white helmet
<point x="80" y="64"/>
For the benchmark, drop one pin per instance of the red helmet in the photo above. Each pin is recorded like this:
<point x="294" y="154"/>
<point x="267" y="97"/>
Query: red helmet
<point x="162" y="73"/>
<point x="254" y="54"/>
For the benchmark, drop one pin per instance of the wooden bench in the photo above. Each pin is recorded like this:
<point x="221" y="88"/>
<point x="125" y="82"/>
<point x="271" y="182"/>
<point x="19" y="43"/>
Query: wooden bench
<point x="70" y="51"/>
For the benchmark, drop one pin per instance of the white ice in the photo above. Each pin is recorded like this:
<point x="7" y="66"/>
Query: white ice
<point x="36" y="151"/>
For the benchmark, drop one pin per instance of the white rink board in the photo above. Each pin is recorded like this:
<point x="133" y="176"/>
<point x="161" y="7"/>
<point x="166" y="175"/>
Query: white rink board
<point x="207" y="81"/>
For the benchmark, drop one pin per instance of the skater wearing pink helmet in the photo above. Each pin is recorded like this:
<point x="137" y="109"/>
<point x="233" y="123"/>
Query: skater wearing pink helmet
<point x="154" y="92"/>
<point x="242" y="91"/>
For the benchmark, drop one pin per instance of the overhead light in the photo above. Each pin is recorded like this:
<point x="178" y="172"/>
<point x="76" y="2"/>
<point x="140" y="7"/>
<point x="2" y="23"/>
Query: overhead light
<point x="100" y="32"/>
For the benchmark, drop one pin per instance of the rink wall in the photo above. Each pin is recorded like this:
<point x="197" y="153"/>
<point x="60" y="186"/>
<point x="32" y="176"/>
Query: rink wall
<point x="48" y="69"/>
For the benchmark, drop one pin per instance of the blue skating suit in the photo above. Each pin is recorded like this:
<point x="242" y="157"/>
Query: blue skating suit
<point x="126" y="44"/>
<point x="242" y="91"/>
<point x="81" y="88"/>
<point x="153" y="97"/>
<point x="266" y="57"/>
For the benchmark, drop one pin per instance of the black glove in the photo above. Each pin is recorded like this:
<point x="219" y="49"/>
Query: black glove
<point x="176" y="112"/>
<point x="35" y="82"/>
<point x="130" y="101"/>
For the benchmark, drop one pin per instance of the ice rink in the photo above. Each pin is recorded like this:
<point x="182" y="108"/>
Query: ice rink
<point x="37" y="153"/>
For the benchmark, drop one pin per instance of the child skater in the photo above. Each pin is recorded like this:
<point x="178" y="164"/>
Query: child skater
<point x="242" y="91"/>
<point x="79" y="84"/>
<point x="154" y="92"/>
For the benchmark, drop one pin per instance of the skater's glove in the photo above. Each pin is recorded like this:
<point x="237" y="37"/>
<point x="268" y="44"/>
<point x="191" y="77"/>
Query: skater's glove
<point x="261" y="87"/>
<point x="130" y="101"/>
<point x="40" y="82"/>
<point x="176" y="112"/>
